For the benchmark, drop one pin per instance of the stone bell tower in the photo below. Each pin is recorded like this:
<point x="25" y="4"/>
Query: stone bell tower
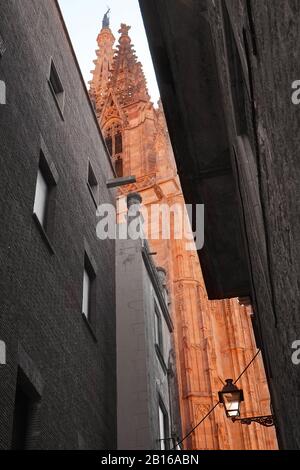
<point x="213" y="339"/>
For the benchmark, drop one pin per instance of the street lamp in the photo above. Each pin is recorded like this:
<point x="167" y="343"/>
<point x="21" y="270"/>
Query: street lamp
<point x="231" y="397"/>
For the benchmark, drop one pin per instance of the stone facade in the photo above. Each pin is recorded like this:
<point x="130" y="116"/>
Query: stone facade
<point x="62" y="366"/>
<point x="213" y="339"/>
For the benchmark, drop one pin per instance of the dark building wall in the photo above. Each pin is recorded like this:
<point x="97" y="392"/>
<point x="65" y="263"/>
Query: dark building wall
<point x="264" y="45"/>
<point x="181" y="46"/>
<point x="254" y="49"/>
<point x="70" y="366"/>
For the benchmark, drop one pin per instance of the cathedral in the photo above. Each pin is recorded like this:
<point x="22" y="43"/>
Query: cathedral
<point x="213" y="340"/>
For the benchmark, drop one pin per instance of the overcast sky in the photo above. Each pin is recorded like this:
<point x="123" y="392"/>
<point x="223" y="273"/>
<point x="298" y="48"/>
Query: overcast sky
<point x="84" y="21"/>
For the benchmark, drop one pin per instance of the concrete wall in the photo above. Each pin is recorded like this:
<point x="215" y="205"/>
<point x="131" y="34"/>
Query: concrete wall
<point x="141" y="378"/>
<point x="132" y="382"/>
<point x="71" y="365"/>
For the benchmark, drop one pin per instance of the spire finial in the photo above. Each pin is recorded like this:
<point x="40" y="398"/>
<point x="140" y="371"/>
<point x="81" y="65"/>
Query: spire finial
<point x="105" y="21"/>
<point x="124" y="29"/>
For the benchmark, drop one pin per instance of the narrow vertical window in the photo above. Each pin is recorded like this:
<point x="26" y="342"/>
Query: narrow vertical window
<point x="93" y="184"/>
<point x="44" y="198"/>
<point x="109" y="145"/>
<point x="25" y="413"/>
<point x="114" y="141"/>
<point x="118" y="143"/>
<point x="158" y="328"/>
<point x="163" y="427"/>
<point x="88" y="289"/>
<point x="45" y="183"/>
<point x="2" y="92"/>
<point x="2" y="46"/>
<point x="21" y="419"/>
<point x="41" y="198"/>
<point x="119" y="167"/>
<point x="86" y="294"/>
<point x="2" y="353"/>
<point x="56" y="87"/>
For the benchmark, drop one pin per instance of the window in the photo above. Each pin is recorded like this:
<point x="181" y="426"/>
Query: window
<point x="114" y="143"/>
<point x="2" y="92"/>
<point x="86" y="294"/>
<point x="163" y="426"/>
<point x="93" y="184"/>
<point x="56" y="87"/>
<point x="158" y="338"/>
<point x="119" y="167"/>
<point x="45" y="183"/>
<point x="25" y="411"/>
<point x="2" y="46"/>
<point x="108" y="142"/>
<point x="87" y="289"/>
<point x="2" y="353"/>
<point x="41" y="198"/>
<point x="44" y="199"/>
<point x="118" y="142"/>
<point x="158" y="328"/>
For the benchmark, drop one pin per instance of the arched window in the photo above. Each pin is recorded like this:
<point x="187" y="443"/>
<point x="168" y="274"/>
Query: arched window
<point x="113" y="139"/>
<point x="118" y="143"/>
<point x="109" y="144"/>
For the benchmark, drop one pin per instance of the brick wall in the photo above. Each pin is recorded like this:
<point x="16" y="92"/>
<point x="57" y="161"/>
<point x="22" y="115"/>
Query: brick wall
<point x="41" y="291"/>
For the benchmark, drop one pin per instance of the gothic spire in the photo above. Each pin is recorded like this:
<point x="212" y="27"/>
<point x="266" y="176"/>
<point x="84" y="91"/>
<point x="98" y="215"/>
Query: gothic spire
<point x="128" y="79"/>
<point x="117" y="70"/>
<point x="105" y="21"/>
<point x="103" y="65"/>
